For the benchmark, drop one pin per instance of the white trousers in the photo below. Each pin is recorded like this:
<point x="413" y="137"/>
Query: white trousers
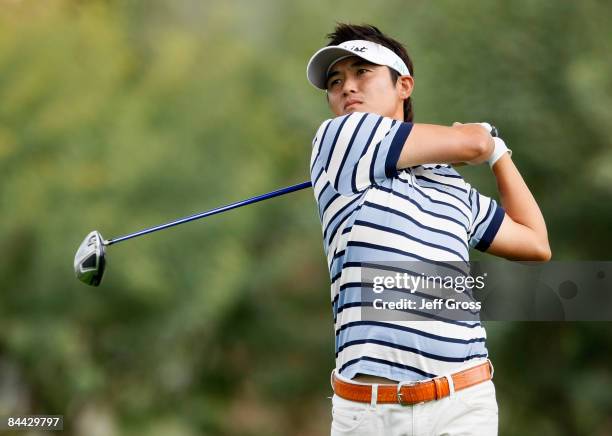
<point x="470" y="411"/>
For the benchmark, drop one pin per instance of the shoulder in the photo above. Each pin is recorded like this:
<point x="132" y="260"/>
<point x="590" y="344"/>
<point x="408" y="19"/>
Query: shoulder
<point x="352" y="121"/>
<point x="321" y="130"/>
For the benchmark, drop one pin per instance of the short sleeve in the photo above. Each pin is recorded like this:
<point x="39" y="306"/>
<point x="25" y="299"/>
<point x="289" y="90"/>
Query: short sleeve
<point x="487" y="217"/>
<point x="358" y="150"/>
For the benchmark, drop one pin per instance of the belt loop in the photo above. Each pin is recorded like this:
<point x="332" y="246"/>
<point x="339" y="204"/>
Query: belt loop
<point x="331" y="379"/>
<point x="451" y="384"/>
<point x="492" y="369"/>
<point x="374" y="398"/>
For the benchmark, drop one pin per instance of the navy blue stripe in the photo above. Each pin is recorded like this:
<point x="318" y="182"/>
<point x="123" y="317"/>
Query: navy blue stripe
<point x="375" y="154"/>
<point x="348" y="150"/>
<point x="396" y="148"/>
<point x="405" y="253"/>
<point x="314" y="161"/>
<point x="355" y="285"/>
<point x="338" y="254"/>
<point x="428" y="212"/>
<point x="331" y="200"/>
<point x="484" y="219"/>
<point x="346" y="230"/>
<point x="492" y="230"/>
<point x="349" y="285"/>
<point x="409" y="218"/>
<point x="318" y="198"/>
<point x="386" y="362"/>
<point x="382" y="267"/>
<point x="420" y="188"/>
<point x="322" y="208"/>
<point x="410" y="349"/>
<point x="365" y="149"/>
<point x="316" y="179"/>
<point x="404" y="173"/>
<point x="433" y="167"/>
<point x="475" y="215"/>
<point x="453" y="176"/>
<point x="342" y="209"/>
<point x="413" y="312"/>
<point x="366" y="285"/>
<point x="426" y="179"/>
<point x="408" y="236"/>
<point x="373" y="163"/>
<point x="409" y="330"/>
<point x="347" y="306"/>
<point x="447" y="193"/>
<point x="333" y="145"/>
<point x="346" y="265"/>
<point x="334" y="278"/>
<point x="327" y="185"/>
<point x="334" y="232"/>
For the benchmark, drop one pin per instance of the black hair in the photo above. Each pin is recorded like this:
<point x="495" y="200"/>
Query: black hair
<point x="348" y="32"/>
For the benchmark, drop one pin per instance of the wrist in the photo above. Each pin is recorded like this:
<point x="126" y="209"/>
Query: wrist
<point x="499" y="150"/>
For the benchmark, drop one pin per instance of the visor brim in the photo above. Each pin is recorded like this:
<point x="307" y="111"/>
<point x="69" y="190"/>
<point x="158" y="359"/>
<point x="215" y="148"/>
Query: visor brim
<point x="319" y="64"/>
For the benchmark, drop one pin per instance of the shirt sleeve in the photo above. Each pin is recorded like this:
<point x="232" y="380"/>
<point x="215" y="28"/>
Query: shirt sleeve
<point x="358" y="150"/>
<point x="487" y="217"/>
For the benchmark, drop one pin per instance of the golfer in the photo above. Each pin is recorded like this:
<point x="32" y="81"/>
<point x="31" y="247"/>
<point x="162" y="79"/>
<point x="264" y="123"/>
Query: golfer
<point x="386" y="191"/>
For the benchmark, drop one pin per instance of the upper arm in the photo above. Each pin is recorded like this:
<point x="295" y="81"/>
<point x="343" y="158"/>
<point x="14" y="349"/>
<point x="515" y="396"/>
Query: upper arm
<point x="432" y="143"/>
<point x="515" y="241"/>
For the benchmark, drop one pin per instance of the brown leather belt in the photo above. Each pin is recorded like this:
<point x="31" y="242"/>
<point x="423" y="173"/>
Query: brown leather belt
<point x="406" y="393"/>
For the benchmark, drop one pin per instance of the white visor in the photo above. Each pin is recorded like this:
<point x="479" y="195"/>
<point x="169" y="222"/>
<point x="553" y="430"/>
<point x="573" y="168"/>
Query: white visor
<point x="321" y="62"/>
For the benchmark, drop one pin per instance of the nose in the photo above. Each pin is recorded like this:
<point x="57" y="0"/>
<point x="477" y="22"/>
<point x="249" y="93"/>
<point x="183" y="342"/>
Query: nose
<point x="349" y="85"/>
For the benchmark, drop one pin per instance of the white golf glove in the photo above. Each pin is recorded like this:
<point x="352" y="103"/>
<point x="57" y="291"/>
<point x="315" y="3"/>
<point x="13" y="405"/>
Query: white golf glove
<point x="499" y="150"/>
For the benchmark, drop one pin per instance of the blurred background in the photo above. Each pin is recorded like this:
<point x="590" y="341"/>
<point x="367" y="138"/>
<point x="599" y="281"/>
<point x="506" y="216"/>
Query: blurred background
<point x="117" y="115"/>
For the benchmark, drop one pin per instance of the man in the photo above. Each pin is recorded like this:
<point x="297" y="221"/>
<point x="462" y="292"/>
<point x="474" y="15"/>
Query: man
<point x="386" y="192"/>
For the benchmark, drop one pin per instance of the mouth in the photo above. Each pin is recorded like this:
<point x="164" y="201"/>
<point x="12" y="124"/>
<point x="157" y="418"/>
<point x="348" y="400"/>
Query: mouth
<point x="351" y="104"/>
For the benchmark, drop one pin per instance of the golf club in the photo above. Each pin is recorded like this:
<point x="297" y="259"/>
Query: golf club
<point x="90" y="260"/>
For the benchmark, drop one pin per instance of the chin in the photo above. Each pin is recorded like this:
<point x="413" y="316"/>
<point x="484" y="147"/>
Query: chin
<point x="355" y="108"/>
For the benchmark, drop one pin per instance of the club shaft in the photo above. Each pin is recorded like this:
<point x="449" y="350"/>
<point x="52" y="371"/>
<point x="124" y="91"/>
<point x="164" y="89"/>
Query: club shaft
<point x="208" y="213"/>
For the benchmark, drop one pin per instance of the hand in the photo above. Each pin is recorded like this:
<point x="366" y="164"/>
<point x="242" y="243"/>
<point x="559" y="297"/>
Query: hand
<point x="487" y="150"/>
<point x="500" y="147"/>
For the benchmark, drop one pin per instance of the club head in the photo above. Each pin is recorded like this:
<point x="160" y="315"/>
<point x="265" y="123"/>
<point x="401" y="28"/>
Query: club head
<point x="89" y="261"/>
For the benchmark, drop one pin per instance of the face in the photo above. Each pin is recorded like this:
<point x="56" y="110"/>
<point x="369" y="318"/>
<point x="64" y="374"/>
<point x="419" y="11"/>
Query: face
<point x="355" y="85"/>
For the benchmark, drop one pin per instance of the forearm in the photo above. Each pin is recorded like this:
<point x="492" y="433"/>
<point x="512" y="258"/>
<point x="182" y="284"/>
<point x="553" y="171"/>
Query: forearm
<point x="517" y="200"/>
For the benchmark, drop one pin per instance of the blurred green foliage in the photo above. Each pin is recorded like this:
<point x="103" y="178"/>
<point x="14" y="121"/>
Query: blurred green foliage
<point x="117" y="115"/>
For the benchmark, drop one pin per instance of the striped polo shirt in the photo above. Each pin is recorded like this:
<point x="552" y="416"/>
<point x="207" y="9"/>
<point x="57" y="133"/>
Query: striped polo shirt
<point x="372" y="212"/>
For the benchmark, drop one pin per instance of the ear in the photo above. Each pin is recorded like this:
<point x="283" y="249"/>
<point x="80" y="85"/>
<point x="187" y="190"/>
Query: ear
<point x="404" y="86"/>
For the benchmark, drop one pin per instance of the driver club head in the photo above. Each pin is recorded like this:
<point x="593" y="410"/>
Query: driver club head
<point x="89" y="261"/>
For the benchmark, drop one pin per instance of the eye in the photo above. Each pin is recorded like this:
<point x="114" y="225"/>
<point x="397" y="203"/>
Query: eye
<point x="361" y="71"/>
<point x="333" y="83"/>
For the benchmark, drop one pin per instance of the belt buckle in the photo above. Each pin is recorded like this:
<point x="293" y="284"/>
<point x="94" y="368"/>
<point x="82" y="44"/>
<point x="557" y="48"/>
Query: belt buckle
<point x="400" y="398"/>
